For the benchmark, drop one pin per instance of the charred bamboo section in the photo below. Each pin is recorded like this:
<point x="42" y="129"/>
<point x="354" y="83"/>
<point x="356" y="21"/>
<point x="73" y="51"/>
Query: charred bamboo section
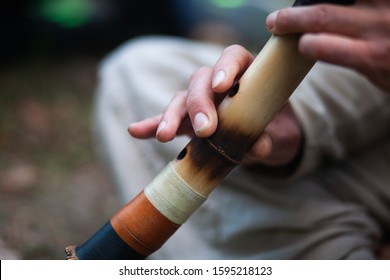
<point x="145" y="223"/>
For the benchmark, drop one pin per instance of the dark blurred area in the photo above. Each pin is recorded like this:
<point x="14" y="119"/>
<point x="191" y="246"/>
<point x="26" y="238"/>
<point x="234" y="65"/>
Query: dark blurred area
<point x="47" y="27"/>
<point x="30" y="27"/>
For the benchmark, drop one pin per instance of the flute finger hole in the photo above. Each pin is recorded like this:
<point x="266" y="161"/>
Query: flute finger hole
<point x="182" y="154"/>
<point x="233" y="91"/>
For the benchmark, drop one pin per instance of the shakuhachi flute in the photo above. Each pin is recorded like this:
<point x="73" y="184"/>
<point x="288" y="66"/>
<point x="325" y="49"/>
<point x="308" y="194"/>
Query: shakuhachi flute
<point x="143" y="225"/>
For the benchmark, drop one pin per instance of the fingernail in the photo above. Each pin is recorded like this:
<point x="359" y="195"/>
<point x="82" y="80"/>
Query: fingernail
<point x="161" y="126"/>
<point x="270" y="21"/>
<point x="200" y="122"/>
<point x="218" y="78"/>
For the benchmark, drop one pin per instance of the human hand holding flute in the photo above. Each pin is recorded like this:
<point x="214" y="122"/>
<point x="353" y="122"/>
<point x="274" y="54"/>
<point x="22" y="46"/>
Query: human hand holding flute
<point x="223" y="139"/>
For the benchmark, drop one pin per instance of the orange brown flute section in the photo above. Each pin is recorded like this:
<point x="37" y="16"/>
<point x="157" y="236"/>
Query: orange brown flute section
<point x="142" y="226"/>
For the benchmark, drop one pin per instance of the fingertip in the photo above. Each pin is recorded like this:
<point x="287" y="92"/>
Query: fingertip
<point x="204" y="125"/>
<point x="265" y="146"/>
<point x="161" y="132"/>
<point x="261" y="150"/>
<point x="161" y="127"/>
<point x="218" y="79"/>
<point x="132" y="129"/>
<point x="165" y="132"/>
<point x="143" y="129"/>
<point x="309" y="45"/>
<point x="270" y="21"/>
<point x="201" y="122"/>
<point x="235" y="59"/>
<point x="164" y="136"/>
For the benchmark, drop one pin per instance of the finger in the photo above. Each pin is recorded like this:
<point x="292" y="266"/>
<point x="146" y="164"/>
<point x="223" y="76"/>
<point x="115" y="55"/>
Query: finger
<point x="232" y="63"/>
<point x="274" y="148"/>
<point x="260" y="151"/>
<point x="172" y="117"/>
<point x="360" y="55"/>
<point x="286" y="135"/>
<point x="321" y="18"/>
<point x="200" y="103"/>
<point x="144" y="129"/>
<point x="279" y="144"/>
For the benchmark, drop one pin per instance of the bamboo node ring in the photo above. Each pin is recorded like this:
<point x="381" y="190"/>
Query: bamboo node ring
<point x="221" y="151"/>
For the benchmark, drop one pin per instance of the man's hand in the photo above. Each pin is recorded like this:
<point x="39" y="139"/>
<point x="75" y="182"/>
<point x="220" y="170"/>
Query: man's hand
<point x="356" y="36"/>
<point x="193" y="111"/>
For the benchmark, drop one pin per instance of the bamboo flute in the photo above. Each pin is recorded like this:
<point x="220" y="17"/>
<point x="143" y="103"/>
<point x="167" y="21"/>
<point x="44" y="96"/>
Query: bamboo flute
<point x="144" y="224"/>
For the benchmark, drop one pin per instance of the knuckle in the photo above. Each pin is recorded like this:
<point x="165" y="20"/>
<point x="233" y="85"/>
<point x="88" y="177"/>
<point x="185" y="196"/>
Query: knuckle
<point x="193" y="101"/>
<point x="178" y="98"/>
<point x="320" y="20"/>
<point x="200" y="72"/>
<point x="283" y="19"/>
<point x="234" y="58"/>
<point x="378" y="58"/>
<point x="181" y="94"/>
<point x="234" y="49"/>
<point x="315" y="18"/>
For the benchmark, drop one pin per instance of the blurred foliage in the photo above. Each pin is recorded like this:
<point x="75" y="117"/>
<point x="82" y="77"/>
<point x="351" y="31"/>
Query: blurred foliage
<point x="66" y="13"/>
